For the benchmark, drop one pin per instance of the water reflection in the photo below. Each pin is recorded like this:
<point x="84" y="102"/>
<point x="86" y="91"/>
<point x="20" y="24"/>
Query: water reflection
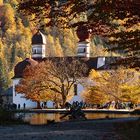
<point x="43" y="118"/>
<point x="105" y="115"/>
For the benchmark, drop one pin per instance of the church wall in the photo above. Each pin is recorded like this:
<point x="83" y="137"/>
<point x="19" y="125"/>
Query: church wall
<point x="78" y="97"/>
<point x="19" y="100"/>
<point x="100" y="62"/>
<point x="80" y="88"/>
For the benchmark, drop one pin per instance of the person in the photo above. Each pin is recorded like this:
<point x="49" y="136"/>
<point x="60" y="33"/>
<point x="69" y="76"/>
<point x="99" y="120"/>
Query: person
<point x="24" y="105"/>
<point x="112" y="106"/>
<point x="18" y="106"/>
<point x="131" y="105"/>
<point x="14" y="106"/>
<point x="45" y="104"/>
<point x="42" y="105"/>
<point x="67" y="105"/>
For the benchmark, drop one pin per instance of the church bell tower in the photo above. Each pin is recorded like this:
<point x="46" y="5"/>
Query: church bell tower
<point x="38" y="45"/>
<point x="84" y="44"/>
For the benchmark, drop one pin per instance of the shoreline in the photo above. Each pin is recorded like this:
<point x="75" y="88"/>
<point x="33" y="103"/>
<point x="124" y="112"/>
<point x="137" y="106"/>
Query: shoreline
<point x="103" y="129"/>
<point x="117" y="111"/>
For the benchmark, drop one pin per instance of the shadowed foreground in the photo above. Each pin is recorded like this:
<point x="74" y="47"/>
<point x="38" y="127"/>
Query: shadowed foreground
<point x="78" y="130"/>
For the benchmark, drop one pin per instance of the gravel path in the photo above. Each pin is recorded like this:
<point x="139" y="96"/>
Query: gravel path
<point x="78" y="130"/>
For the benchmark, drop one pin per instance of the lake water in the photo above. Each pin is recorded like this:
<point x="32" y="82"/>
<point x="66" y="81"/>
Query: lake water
<point x="43" y="118"/>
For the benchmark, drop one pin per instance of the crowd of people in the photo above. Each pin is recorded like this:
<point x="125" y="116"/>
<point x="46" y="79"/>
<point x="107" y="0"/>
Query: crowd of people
<point x="108" y="105"/>
<point x="118" y="105"/>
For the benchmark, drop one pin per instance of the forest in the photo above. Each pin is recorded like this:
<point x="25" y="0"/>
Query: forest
<point x="16" y="32"/>
<point x="114" y="29"/>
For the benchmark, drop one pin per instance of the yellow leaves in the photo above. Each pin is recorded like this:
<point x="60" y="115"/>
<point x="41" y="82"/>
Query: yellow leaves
<point x="120" y="84"/>
<point x="33" y="85"/>
<point x="1" y="50"/>
<point x="122" y="27"/>
<point x="1" y="2"/>
<point x="99" y="77"/>
<point x="9" y="18"/>
<point x="131" y="92"/>
<point x="94" y="96"/>
<point x="58" y="48"/>
<point x="94" y="74"/>
<point x="50" y="79"/>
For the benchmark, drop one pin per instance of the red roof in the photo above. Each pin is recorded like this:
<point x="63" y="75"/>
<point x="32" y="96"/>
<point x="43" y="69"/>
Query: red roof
<point x="19" y="68"/>
<point x="90" y="62"/>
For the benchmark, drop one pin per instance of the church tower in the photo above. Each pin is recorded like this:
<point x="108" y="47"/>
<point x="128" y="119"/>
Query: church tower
<point x="84" y="43"/>
<point x="38" y="45"/>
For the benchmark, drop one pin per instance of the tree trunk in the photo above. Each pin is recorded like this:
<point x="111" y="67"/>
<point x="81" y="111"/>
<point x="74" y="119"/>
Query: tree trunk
<point x="63" y="96"/>
<point x="38" y="105"/>
<point x="63" y="101"/>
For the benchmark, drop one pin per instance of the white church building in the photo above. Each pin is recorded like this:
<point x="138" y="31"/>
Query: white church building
<point x="38" y="55"/>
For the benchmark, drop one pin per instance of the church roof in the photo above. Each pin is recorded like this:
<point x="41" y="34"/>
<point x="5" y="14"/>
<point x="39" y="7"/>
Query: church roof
<point x="20" y="67"/>
<point x="38" y="38"/>
<point x="97" y="63"/>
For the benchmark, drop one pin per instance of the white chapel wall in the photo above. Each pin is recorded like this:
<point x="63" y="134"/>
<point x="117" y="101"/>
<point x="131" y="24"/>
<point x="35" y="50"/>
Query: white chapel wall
<point x="19" y="99"/>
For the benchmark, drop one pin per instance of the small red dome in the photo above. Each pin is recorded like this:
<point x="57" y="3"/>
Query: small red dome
<point x="83" y="33"/>
<point x="20" y="67"/>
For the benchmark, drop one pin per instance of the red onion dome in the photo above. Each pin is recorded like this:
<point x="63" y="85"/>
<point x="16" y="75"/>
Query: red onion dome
<point x="83" y="33"/>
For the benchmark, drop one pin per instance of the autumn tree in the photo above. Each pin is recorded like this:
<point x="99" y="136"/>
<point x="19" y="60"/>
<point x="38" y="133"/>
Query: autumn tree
<point x="1" y="2"/>
<point x="63" y="74"/>
<point x="15" y="40"/>
<point x="92" y="95"/>
<point x="32" y="85"/>
<point x="131" y="92"/>
<point x="52" y="78"/>
<point x="113" y="18"/>
<point x="8" y="19"/>
<point x="120" y="84"/>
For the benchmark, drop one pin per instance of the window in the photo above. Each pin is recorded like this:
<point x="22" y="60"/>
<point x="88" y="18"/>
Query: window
<point x="75" y="89"/>
<point x="37" y="51"/>
<point x="34" y="51"/>
<point x="81" y="50"/>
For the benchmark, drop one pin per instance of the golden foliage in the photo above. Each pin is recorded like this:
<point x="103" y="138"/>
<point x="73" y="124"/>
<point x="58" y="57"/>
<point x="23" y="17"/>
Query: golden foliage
<point x="32" y="85"/>
<point x="50" y="80"/>
<point x="120" y="84"/>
